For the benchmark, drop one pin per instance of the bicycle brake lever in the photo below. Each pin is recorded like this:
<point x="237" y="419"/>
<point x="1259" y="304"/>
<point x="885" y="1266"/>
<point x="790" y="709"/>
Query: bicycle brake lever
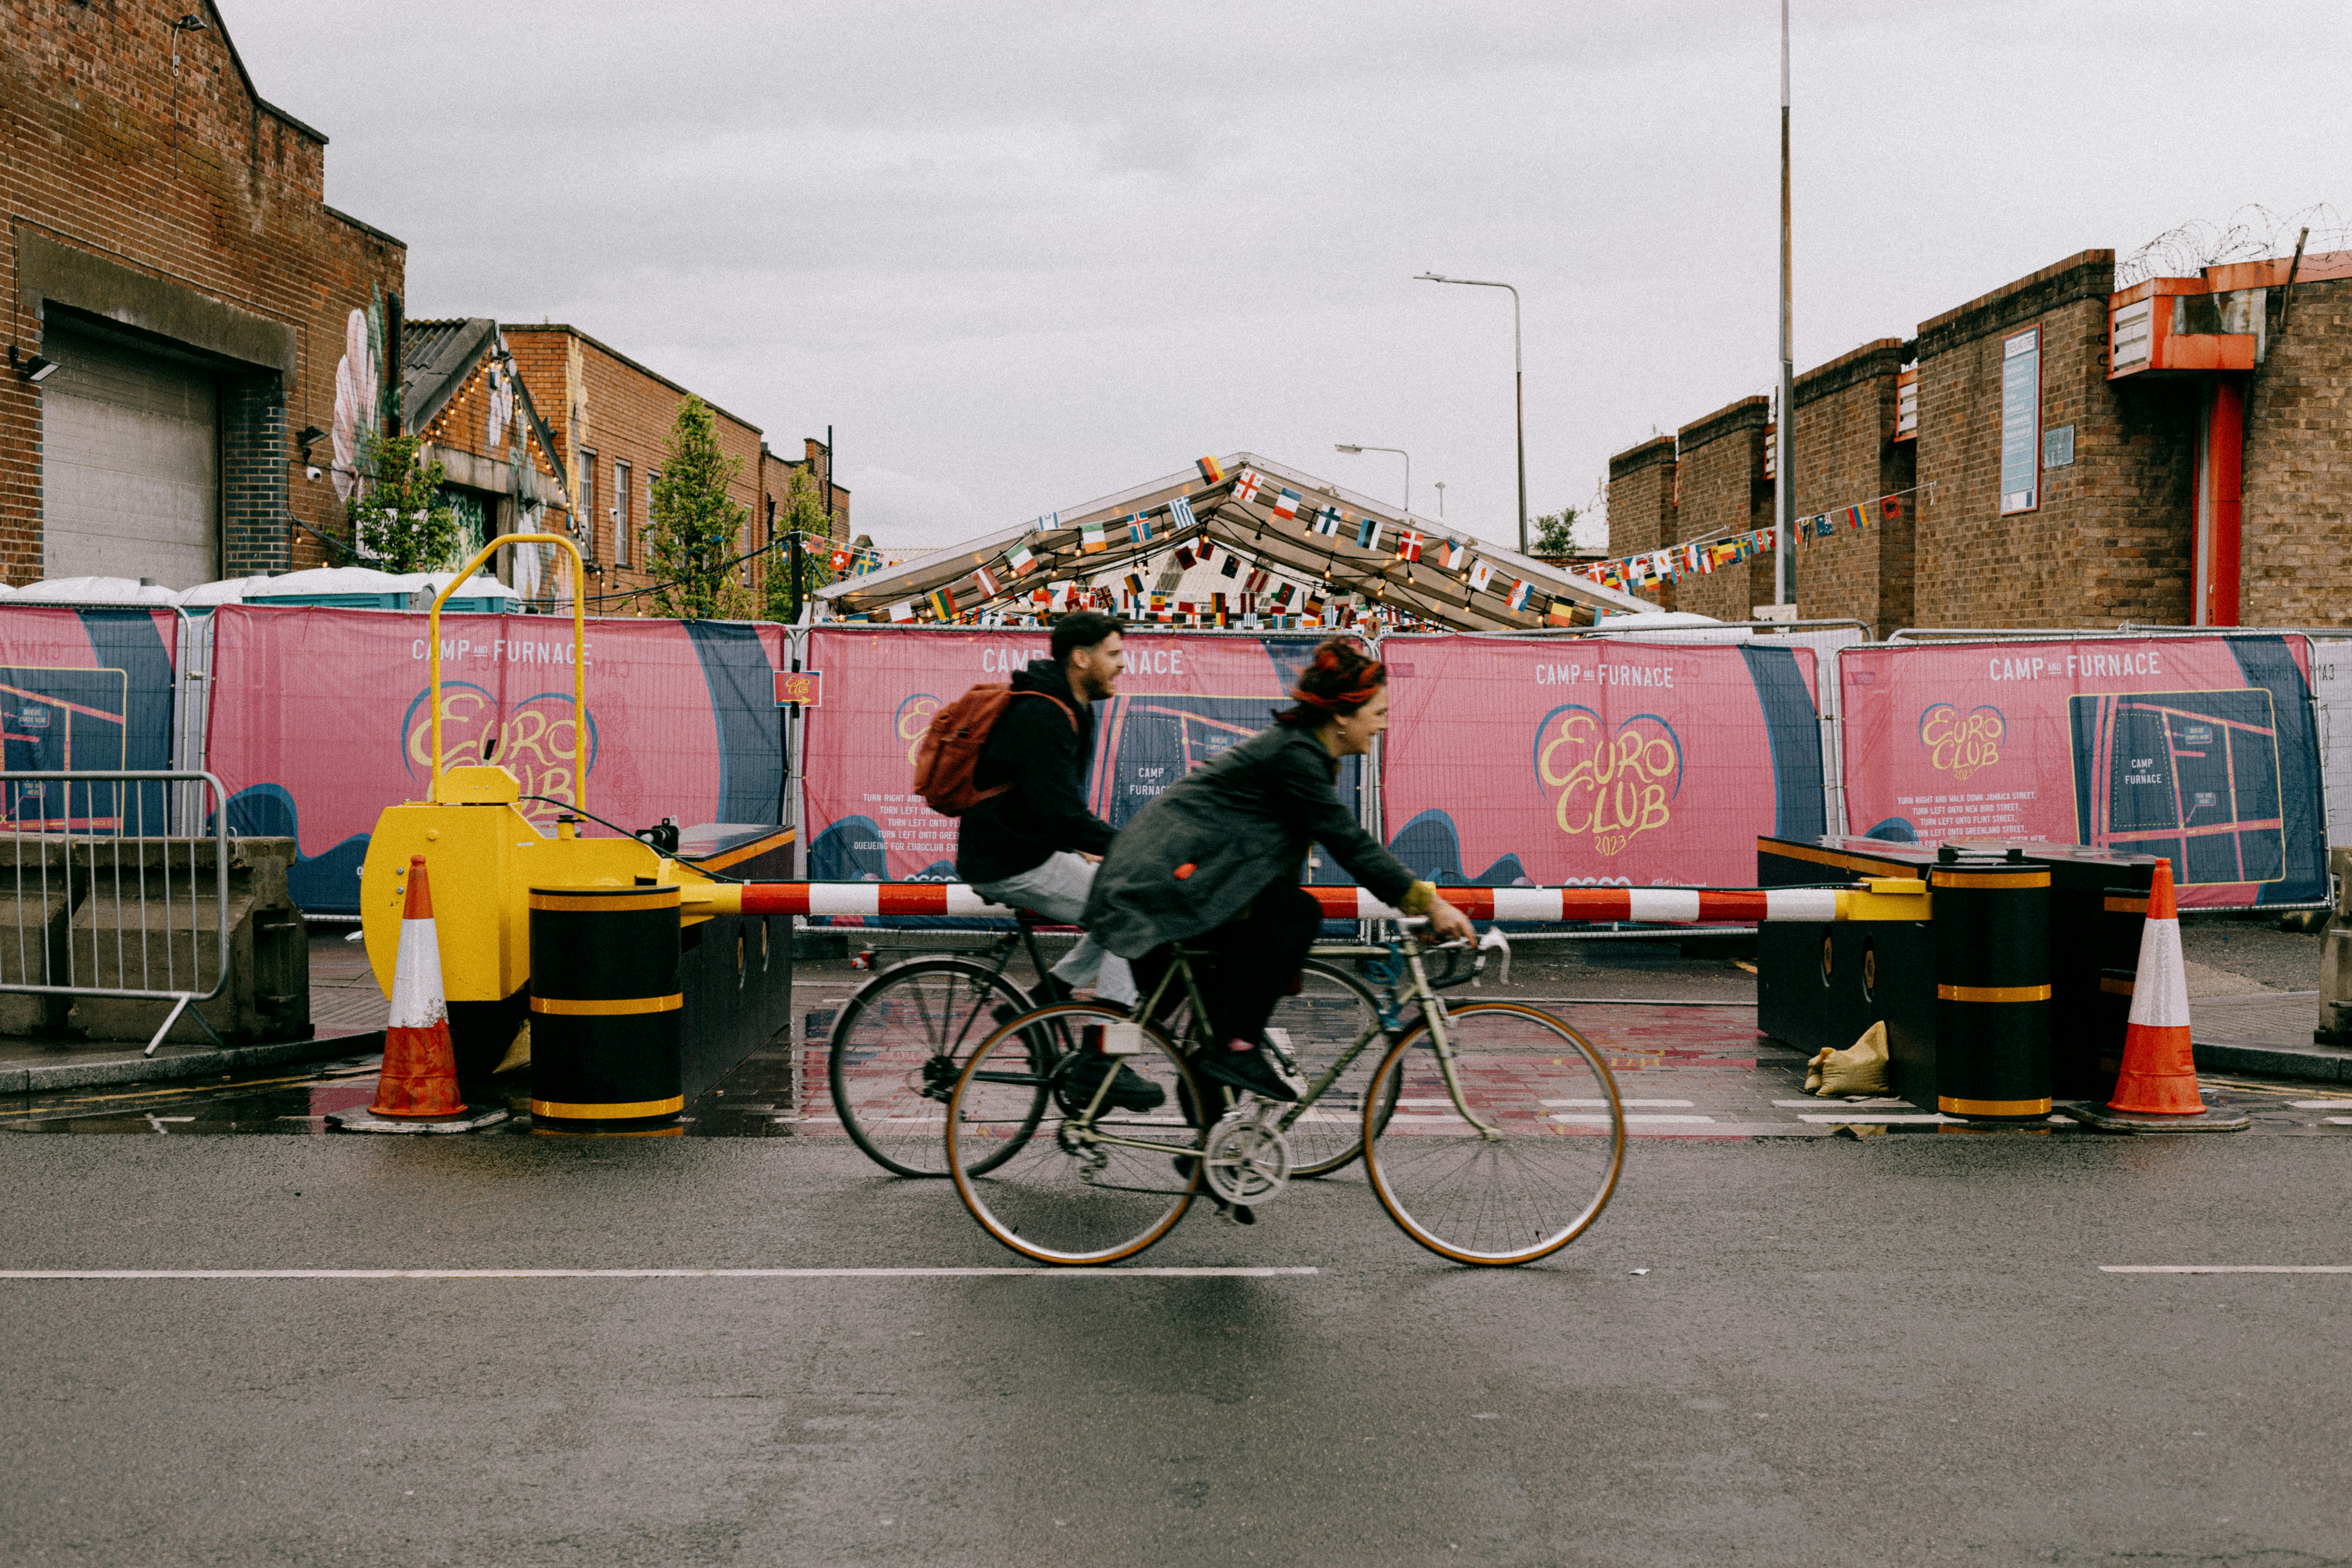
<point x="1493" y="941"/>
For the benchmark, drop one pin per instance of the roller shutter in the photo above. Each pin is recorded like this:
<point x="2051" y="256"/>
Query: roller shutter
<point x="130" y="463"/>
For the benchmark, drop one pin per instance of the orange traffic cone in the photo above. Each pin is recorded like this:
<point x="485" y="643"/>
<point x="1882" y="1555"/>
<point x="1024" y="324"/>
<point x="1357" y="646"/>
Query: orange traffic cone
<point x="420" y="1070"/>
<point x="2159" y="1071"/>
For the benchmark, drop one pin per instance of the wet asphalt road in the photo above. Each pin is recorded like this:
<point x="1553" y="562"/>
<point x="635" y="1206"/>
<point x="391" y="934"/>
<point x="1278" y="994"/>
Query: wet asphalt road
<point x="1896" y="1351"/>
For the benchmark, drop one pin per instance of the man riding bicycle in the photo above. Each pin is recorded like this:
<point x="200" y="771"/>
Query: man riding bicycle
<point x="1215" y="862"/>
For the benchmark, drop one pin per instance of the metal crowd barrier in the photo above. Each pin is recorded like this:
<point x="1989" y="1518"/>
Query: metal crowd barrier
<point x="119" y="888"/>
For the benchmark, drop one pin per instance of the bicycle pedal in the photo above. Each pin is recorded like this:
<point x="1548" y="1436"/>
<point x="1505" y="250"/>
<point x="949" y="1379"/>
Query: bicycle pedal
<point x="1236" y="1214"/>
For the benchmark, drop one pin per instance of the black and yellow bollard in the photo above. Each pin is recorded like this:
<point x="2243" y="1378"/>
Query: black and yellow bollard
<point x="1992" y="988"/>
<point x="606" y="1050"/>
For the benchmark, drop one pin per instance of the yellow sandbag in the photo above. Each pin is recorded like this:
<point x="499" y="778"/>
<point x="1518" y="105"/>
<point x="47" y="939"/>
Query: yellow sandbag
<point x="1860" y="1070"/>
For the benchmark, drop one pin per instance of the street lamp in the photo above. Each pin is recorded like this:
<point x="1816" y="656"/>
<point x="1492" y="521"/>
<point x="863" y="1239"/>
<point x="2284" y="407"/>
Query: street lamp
<point x="1519" y="386"/>
<point x="1400" y="452"/>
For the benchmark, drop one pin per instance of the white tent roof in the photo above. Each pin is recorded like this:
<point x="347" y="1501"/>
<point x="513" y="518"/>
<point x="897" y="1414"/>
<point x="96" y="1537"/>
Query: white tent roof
<point x="97" y="590"/>
<point x="1253" y="531"/>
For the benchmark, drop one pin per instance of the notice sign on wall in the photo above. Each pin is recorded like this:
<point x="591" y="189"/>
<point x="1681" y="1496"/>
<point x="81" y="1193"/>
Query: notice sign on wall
<point x="2020" y="421"/>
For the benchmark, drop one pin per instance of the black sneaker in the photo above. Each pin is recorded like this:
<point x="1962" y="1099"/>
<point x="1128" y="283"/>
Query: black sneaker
<point x="1129" y="1090"/>
<point x="1243" y="1071"/>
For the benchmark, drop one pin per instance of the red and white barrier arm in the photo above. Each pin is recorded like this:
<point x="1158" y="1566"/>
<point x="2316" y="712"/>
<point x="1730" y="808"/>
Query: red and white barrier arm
<point x="1660" y="906"/>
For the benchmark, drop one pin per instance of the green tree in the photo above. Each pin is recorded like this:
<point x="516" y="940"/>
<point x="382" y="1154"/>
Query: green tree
<point x="804" y="508"/>
<point x="1555" y="532"/>
<point x="696" y="524"/>
<point x="401" y="516"/>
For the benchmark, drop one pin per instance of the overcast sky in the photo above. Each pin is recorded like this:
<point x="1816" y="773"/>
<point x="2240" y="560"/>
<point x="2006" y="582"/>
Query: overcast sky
<point x="1019" y="255"/>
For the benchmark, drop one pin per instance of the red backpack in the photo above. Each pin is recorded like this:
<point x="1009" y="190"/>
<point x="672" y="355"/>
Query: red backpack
<point x="949" y="753"/>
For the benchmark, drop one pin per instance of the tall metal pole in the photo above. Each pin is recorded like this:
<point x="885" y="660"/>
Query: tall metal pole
<point x="1518" y="384"/>
<point x="1784" y="487"/>
<point x="1519" y="388"/>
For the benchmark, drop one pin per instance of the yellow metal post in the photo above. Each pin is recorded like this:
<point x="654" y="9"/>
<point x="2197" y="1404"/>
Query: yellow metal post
<point x="579" y="653"/>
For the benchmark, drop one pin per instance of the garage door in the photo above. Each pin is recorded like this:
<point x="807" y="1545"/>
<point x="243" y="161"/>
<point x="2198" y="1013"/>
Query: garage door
<point x="131" y="458"/>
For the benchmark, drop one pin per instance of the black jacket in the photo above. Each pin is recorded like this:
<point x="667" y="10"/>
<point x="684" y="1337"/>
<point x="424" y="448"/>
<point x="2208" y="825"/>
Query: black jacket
<point x="1035" y="749"/>
<point x="1218" y="837"/>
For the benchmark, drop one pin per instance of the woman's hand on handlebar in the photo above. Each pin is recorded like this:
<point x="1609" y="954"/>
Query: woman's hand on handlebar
<point x="1450" y="924"/>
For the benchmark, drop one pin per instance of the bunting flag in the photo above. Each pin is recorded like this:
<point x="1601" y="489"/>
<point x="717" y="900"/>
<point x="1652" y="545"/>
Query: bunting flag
<point x="1134" y="582"/>
<point x="1368" y="534"/>
<point x="1139" y="529"/>
<point x="1286" y="505"/>
<point x="1518" y="598"/>
<point x="1890" y="507"/>
<point x="1048" y="521"/>
<point x="1312" y="605"/>
<point x="1180" y="514"/>
<point x="1091" y="540"/>
<point x="1205" y="549"/>
<point x="1410" y="545"/>
<point x="903" y="611"/>
<point x="1021" y="560"/>
<point x="1159" y="603"/>
<point x="1184" y="559"/>
<point x="1457" y="555"/>
<point x="1247" y="487"/>
<point x="1212" y="471"/>
<point x="1282" y="596"/>
<point x="1562" y="612"/>
<point x="1853" y="517"/>
<point x="1232" y="566"/>
<point x="840" y="560"/>
<point x="1326" y="520"/>
<point x="1481" y="575"/>
<point x="986" y="583"/>
<point x="1256" y="583"/>
<point x="1217" y="603"/>
<point x="944" y="605"/>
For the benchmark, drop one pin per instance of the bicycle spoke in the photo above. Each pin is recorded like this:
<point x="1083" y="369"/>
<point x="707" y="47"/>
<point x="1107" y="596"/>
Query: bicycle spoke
<point x="1535" y="1183"/>
<point x="895" y="1052"/>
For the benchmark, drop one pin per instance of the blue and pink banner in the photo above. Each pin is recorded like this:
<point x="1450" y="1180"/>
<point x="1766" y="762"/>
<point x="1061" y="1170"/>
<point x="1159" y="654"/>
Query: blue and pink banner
<point x="91" y="689"/>
<point x="1183" y="700"/>
<point x="2203" y="749"/>
<point x="1515" y="761"/>
<point x="321" y="717"/>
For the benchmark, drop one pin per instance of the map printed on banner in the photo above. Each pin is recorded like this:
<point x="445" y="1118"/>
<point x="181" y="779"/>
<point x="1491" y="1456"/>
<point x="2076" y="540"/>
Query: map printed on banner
<point x="2203" y="749"/>
<point x="1574" y="763"/>
<point x="1182" y="702"/>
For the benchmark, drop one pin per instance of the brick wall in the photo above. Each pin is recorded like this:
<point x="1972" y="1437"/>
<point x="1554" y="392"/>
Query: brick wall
<point x="1723" y="491"/>
<point x="596" y="400"/>
<point x="2297" y="539"/>
<point x="1847" y="455"/>
<point x="2109" y="541"/>
<point x="197" y="216"/>
<point x="1641" y="503"/>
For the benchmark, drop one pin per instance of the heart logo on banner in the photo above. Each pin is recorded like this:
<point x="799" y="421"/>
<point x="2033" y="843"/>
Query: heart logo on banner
<point x="1614" y="785"/>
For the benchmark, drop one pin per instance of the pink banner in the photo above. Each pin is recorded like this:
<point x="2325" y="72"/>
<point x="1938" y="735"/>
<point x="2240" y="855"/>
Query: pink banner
<point x="1184" y="699"/>
<point x="320" y="719"/>
<point x="2203" y="749"/>
<point x="1512" y="761"/>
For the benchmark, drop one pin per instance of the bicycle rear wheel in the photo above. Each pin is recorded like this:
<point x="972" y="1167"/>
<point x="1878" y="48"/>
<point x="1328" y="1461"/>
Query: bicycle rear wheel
<point x="896" y="1048"/>
<point x="1537" y="1164"/>
<point x="1333" y="1015"/>
<point x="1078" y="1190"/>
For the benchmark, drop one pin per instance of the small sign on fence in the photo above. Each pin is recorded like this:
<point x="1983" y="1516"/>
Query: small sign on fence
<point x="800" y="687"/>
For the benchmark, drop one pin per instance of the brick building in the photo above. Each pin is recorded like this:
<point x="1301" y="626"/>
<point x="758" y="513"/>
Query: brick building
<point x="190" y="326"/>
<point x="2057" y="453"/>
<point x="610" y="419"/>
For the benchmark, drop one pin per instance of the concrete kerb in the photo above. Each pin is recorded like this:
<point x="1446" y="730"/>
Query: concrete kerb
<point x="23" y="1070"/>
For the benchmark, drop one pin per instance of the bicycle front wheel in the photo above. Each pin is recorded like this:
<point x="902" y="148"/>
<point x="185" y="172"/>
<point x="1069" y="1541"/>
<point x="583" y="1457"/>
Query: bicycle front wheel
<point x="1503" y="1147"/>
<point x="896" y="1048"/>
<point x="1114" y="1166"/>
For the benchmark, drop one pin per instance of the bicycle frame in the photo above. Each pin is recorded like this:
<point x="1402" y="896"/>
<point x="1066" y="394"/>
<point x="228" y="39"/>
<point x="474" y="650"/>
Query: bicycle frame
<point x="1390" y="1027"/>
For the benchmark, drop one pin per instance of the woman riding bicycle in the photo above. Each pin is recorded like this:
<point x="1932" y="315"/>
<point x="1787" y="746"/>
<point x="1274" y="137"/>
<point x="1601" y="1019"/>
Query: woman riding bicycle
<point x="1215" y="860"/>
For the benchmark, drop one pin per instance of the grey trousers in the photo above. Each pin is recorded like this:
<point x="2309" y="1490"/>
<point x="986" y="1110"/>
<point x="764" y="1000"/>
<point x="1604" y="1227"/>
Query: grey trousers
<point x="1057" y="889"/>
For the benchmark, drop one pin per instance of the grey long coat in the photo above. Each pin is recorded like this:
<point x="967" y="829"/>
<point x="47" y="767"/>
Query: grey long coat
<point x="1218" y="837"/>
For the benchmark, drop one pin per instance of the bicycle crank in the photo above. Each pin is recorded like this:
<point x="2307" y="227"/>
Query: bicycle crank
<point x="1248" y="1158"/>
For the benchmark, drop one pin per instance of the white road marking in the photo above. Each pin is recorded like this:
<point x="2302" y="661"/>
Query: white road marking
<point x="1031" y="1273"/>
<point x="2320" y="1104"/>
<point x="2225" y="1267"/>
<point x="2338" y="1120"/>
<point x="1852" y="1117"/>
<point x="1815" y="1100"/>
<point x="1603" y="1104"/>
<point x="1587" y="1120"/>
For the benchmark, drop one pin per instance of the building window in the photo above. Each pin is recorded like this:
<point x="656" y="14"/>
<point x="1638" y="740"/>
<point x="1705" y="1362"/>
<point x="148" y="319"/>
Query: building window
<point x="620" y="513"/>
<point x="1906" y="404"/>
<point x="652" y="478"/>
<point x="584" y="525"/>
